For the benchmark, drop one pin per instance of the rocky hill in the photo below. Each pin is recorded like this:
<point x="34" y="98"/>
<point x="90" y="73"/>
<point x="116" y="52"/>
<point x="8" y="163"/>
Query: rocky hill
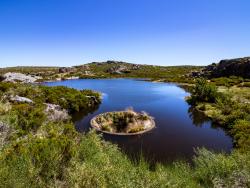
<point x="229" y="67"/>
<point x="107" y="69"/>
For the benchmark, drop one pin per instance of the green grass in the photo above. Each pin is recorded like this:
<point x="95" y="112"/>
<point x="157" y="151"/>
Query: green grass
<point x="229" y="108"/>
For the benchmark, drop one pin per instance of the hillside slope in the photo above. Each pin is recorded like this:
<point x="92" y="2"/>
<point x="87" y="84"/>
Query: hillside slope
<point x="109" y="69"/>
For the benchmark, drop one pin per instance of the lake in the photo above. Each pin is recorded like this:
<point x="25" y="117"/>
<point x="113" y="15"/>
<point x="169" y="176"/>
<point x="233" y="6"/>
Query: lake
<point x="178" y="130"/>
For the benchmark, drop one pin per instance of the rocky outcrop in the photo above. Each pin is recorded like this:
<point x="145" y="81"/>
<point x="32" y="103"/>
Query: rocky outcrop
<point x="136" y="67"/>
<point x="229" y="67"/>
<point x="82" y="67"/>
<point x="67" y="69"/>
<point x="119" y="69"/>
<point x="19" y="77"/>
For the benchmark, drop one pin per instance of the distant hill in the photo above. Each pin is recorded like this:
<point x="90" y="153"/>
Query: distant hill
<point x="110" y="69"/>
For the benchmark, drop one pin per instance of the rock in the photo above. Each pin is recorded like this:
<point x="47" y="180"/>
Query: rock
<point x="136" y="67"/>
<point x="67" y="69"/>
<point x="195" y="74"/>
<point x="119" y="69"/>
<point x="19" y="77"/>
<point x="88" y="73"/>
<point x="56" y="113"/>
<point x="229" y="67"/>
<point x="82" y="67"/>
<point x="20" y="99"/>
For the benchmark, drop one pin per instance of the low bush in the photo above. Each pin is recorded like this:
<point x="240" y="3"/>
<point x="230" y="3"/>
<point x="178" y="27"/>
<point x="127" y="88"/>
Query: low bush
<point x="203" y="92"/>
<point x="29" y="117"/>
<point x="241" y="132"/>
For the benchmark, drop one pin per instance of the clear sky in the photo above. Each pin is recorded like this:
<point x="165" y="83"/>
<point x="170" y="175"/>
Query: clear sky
<point x="163" y="32"/>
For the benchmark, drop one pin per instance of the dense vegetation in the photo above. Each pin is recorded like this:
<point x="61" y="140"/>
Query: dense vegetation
<point x="38" y="152"/>
<point x="226" y="107"/>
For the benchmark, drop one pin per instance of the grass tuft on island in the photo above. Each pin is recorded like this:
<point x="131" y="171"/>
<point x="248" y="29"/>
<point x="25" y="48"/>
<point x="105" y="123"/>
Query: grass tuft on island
<point x="126" y="122"/>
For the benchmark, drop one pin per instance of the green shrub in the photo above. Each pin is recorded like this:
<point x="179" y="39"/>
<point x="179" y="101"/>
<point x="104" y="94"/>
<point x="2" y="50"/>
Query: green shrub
<point x="28" y="117"/>
<point x="241" y="133"/>
<point x="203" y="92"/>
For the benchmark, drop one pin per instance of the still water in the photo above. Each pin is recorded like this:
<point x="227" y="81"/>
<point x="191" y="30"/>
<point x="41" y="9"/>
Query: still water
<point x="178" y="128"/>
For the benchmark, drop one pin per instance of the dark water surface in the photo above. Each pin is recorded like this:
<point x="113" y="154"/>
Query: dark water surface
<point x="178" y="129"/>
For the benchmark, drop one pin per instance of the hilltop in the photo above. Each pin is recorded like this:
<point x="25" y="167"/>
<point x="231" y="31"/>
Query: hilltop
<point x="109" y="69"/>
<point x="229" y="67"/>
<point x="232" y="71"/>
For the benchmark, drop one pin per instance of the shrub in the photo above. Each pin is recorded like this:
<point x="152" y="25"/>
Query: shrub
<point x="29" y="117"/>
<point x="241" y="133"/>
<point x="203" y="92"/>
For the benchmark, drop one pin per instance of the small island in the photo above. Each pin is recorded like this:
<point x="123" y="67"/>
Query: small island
<point x="127" y="122"/>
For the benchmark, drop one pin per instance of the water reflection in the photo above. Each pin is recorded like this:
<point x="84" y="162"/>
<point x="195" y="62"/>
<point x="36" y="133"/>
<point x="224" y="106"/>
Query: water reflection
<point x="197" y="117"/>
<point x="83" y="113"/>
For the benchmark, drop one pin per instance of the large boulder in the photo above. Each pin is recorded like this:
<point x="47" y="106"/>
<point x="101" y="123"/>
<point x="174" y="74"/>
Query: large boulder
<point x="19" y="77"/>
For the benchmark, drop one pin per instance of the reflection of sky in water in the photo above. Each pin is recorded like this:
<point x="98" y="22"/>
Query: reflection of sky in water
<point x="169" y="90"/>
<point x="179" y="129"/>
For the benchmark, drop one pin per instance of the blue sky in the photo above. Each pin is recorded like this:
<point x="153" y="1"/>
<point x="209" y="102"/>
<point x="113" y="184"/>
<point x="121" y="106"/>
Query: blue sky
<point x="162" y="32"/>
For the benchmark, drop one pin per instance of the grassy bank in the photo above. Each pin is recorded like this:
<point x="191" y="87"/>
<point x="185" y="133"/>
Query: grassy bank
<point x="227" y="106"/>
<point x="39" y="152"/>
